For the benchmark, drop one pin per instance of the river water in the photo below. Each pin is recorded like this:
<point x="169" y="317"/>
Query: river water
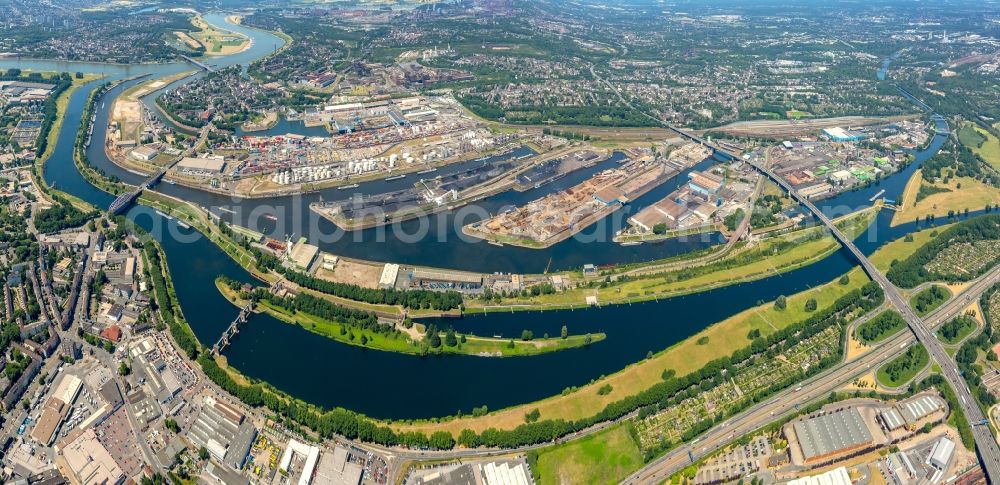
<point x="389" y="385"/>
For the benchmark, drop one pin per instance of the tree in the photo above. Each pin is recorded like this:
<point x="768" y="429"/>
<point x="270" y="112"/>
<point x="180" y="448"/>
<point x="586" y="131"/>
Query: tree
<point x="527" y="335"/>
<point x="449" y="338"/>
<point x="660" y="229"/>
<point x="811" y="305"/>
<point x="433" y="337"/>
<point x="123" y="369"/>
<point x="532" y="416"/>
<point x="780" y="303"/>
<point x="844" y="280"/>
<point x="203" y="453"/>
<point x="564" y="332"/>
<point x="171" y="425"/>
<point x="442" y="440"/>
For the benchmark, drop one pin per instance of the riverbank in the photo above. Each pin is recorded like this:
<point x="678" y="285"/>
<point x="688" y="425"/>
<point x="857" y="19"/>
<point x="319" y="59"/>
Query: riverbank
<point x="396" y="338"/>
<point x="62" y="103"/>
<point x="717" y="341"/>
<point x="769" y="257"/>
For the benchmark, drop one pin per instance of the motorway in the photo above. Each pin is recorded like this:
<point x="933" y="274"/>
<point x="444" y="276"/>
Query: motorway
<point x="986" y="444"/>
<point x="817" y="387"/>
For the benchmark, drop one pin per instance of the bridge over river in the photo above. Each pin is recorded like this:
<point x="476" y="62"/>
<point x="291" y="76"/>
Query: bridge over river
<point x="986" y="445"/>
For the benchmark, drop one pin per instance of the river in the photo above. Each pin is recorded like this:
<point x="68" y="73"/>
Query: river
<point x="389" y="385"/>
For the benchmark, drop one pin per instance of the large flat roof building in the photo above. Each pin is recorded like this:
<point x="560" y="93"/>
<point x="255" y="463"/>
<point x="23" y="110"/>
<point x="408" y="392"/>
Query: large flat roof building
<point x="89" y="462"/>
<point x="837" y="476"/>
<point x="223" y="431"/>
<point x="335" y="469"/>
<point x="205" y="166"/>
<point x="56" y="409"/>
<point x="831" y="434"/>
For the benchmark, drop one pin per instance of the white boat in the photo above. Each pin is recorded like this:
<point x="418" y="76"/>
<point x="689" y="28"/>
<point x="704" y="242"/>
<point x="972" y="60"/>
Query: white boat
<point x="630" y="243"/>
<point x="352" y="186"/>
<point x="879" y="194"/>
<point x="183" y="224"/>
<point x="395" y="177"/>
<point x="496" y="243"/>
<point x="162" y="214"/>
<point x="429" y="170"/>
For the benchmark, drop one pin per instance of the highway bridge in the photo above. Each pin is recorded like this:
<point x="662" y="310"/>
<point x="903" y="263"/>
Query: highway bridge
<point x="199" y="64"/>
<point x="986" y="444"/>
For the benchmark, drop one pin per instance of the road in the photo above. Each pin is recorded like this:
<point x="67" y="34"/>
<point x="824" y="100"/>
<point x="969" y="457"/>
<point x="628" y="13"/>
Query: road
<point x="815" y="388"/>
<point x="986" y="444"/>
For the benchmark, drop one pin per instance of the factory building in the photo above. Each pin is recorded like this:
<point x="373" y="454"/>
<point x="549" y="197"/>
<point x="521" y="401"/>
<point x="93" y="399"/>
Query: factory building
<point x="837" y="476"/>
<point x="909" y="412"/>
<point x="438" y="279"/>
<point x="145" y="153"/>
<point x="941" y="454"/>
<point x="839" y="134"/>
<point x="829" y="435"/>
<point x="388" y="277"/>
<point x="224" y="432"/>
<point x="201" y="166"/>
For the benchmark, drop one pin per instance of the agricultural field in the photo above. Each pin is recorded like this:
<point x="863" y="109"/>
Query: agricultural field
<point x="605" y="457"/>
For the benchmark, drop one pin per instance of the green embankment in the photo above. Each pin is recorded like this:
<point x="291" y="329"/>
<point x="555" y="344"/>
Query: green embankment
<point x="903" y="368"/>
<point x="929" y="299"/>
<point x="404" y="340"/>
<point x="769" y="257"/>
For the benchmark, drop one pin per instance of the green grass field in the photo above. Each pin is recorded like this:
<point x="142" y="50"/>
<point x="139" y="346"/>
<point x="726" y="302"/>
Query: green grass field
<point x="982" y="142"/>
<point x="606" y="457"/>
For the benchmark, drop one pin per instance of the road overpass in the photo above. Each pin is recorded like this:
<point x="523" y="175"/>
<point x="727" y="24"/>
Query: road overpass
<point x="986" y="444"/>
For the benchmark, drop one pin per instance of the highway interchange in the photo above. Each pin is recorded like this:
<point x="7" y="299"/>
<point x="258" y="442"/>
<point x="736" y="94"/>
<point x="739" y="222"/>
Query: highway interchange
<point x="813" y="389"/>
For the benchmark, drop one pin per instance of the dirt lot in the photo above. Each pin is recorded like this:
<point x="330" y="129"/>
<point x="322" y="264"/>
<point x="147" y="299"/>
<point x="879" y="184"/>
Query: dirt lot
<point x="354" y="272"/>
